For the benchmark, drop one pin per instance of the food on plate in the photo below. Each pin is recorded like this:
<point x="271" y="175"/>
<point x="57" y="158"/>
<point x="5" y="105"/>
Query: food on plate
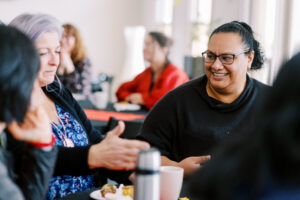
<point x="123" y="102"/>
<point x="108" y="188"/>
<point x="128" y="191"/>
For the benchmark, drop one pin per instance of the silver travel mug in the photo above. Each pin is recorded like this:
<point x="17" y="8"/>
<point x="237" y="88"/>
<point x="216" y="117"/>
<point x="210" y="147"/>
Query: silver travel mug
<point x="147" y="182"/>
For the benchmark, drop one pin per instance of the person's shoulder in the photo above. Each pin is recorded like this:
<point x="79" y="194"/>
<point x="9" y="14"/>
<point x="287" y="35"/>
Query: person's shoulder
<point x="188" y="87"/>
<point x="172" y="70"/>
<point x="87" y="61"/>
<point x="260" y="85"/>
<point x="173" y="67"/>
<point x="146" y="71"/>
<point x="182" y="95"/>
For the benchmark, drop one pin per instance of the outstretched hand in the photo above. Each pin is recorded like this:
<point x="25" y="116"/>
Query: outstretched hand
<point x="114" y="152"/>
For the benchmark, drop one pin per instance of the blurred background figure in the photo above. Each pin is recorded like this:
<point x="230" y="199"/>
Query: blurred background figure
<point x="156" y="80"/>
<point x="262" y="163"/>
<point x="75" y="67"/>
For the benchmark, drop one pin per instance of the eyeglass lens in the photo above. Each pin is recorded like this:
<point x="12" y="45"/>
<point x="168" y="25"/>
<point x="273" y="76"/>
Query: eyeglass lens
<point x="224" y="58"/>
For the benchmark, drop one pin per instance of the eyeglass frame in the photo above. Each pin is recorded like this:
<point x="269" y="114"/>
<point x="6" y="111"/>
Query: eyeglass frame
<point x="233" y="56"/>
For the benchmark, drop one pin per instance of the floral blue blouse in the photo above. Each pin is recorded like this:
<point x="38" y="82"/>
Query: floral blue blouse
<point x="71" y="133"/>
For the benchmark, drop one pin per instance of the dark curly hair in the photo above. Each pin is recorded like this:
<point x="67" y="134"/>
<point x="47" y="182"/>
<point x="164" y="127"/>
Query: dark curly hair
<point x="19" y="65"/>
<point x="246" y="32"/>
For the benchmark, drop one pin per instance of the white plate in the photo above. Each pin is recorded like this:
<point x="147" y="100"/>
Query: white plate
<point x="128" y="106"/>
<point x="97" y="195"/>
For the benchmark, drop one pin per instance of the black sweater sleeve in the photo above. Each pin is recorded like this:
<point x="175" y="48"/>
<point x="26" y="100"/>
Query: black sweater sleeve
<point x="72" y="161"/>
<point x="36" y="171"/>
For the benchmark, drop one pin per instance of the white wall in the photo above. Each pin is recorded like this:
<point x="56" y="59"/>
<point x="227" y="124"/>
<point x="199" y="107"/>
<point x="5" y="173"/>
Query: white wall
<point x="101" y="23"/>
<point x="181" y="32"/>
<point x="224" y="11"/>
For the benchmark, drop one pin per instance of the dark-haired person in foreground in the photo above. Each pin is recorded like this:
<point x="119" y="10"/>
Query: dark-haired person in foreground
<point x="190" y="121"/>
<point x="19" y="66"/>
<point x="263" y="163"/>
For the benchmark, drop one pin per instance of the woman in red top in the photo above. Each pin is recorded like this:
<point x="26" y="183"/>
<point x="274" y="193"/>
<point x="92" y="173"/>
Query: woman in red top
<point x="158" y="79"/>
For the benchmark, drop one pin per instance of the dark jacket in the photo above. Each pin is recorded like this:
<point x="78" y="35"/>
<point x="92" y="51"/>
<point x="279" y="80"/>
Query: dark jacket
<point x="74" y="161"/>
<point x="32" y="179"/>
<point x="70" y="160"/>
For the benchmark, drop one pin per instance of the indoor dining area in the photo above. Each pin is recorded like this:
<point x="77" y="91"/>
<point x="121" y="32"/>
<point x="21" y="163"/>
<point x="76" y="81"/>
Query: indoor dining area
<point x="149" y="99"/>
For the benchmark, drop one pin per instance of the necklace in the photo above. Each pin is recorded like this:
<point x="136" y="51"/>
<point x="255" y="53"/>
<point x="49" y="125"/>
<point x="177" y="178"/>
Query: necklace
<point x="67" y="142"/>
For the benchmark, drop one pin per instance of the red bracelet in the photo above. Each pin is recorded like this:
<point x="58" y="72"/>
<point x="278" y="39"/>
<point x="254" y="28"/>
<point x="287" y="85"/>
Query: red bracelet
<point x="42" y="145"/>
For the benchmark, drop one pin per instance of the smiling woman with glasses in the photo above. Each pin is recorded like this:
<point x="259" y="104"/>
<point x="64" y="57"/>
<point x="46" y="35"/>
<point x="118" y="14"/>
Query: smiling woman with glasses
<point x="190" y="121"/>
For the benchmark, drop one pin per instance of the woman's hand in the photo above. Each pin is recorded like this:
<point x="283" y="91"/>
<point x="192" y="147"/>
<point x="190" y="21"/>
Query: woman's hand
<point x="36" y="127"/>
<point x="66" y="64"/>
<point x="135" y="98"/>
<point x="114" y="152"/>
<point x="191" y="164"/>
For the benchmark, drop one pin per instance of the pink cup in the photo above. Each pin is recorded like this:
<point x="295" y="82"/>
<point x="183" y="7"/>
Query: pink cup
<point x="170" y="182"/>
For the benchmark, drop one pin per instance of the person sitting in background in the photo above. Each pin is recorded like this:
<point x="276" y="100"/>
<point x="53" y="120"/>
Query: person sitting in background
<point x="82" y="148"/>
<point x="74" y="70"/>
<point x="158" y="79"/>
<point x="262" y="163"/>
<point x="190" y="121"/>
<point x="26" y="121"/>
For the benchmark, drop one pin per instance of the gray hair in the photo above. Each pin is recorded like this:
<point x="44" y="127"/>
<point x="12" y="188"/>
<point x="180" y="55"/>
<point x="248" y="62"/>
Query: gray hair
<point x="34" y="25"/>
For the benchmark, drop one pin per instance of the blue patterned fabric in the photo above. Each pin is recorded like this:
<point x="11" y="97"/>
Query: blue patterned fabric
<point x="62" y="185"/>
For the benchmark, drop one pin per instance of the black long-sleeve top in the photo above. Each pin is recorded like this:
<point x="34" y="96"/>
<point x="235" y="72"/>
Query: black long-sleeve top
<point x="187" y="122"/>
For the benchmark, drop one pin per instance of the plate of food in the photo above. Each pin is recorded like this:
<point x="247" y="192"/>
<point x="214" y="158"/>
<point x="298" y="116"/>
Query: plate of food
<point x="111" y="192"/>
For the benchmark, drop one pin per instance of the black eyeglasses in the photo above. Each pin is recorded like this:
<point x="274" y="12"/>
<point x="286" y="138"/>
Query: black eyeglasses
<point x="226" y="59"/>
